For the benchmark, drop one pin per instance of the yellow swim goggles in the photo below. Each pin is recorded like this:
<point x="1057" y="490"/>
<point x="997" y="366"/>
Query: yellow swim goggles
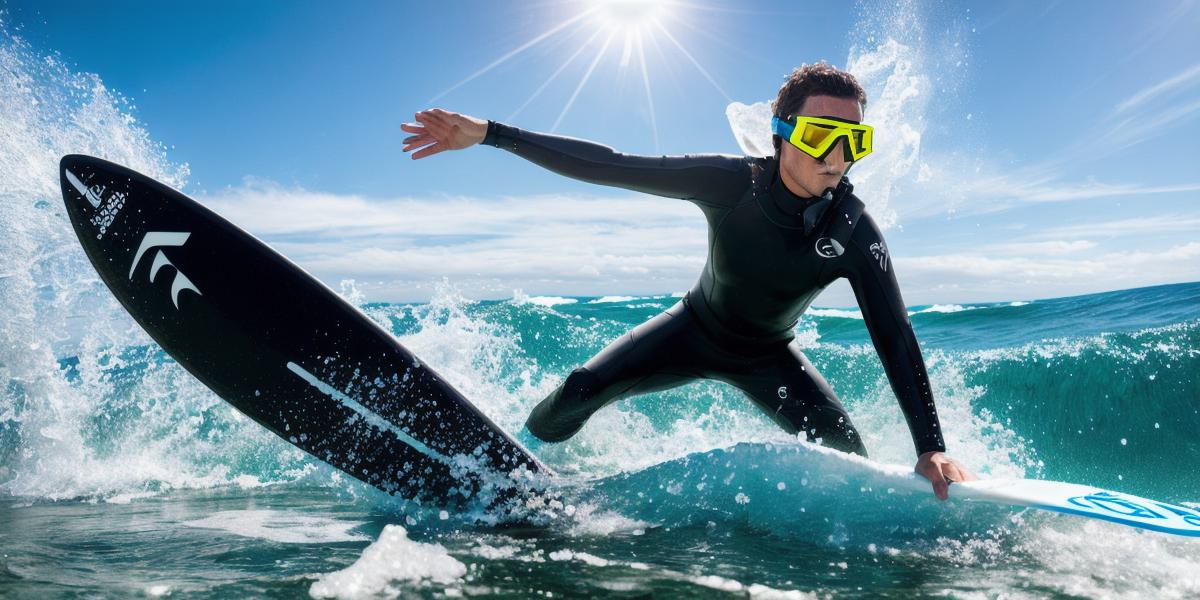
<point x="816" y="136"/>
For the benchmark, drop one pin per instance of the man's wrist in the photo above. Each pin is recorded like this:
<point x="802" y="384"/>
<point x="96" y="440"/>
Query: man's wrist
<point x="491" y="137"/>
<point x="933" y="444"/>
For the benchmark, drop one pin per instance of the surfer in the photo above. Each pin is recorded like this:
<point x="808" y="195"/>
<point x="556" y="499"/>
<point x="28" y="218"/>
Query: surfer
<point x="780" y="229"/>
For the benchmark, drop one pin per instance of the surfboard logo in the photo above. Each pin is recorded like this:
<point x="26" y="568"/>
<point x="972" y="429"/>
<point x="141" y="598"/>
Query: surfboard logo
<point x="162" y="239"/>
<point x="94" y="194"/>
<point x="829" y="248"/>
<point x="90" y="194"/>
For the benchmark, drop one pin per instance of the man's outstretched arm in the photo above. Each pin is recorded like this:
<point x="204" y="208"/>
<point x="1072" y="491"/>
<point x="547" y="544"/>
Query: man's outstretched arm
<point x="703" y="178"/>
<point x="874" y="282"/>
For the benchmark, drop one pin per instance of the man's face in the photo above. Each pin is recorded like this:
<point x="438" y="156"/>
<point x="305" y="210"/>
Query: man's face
<point x="804" y="175"/>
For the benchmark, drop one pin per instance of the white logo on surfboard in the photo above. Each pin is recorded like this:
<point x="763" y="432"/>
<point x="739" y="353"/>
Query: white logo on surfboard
<point x="105" y="215"/>
<point x="156" y="239"/>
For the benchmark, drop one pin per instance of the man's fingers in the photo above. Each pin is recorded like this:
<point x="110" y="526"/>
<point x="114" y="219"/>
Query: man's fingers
<point x="438" y="116"/>
<point x="958" y="472"/>
<point x="440" y="130"/>
<point x="941" y="489"/>
<point x="418" y="146"/>
<point x="954" y="472"/>
<point x="933" y="473"/>
<point x="428" y="151"/>
<point x="964" y="474"/>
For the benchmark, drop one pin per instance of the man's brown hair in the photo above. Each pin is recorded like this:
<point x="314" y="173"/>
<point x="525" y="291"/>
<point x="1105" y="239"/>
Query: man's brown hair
<point x="820" y="79"/>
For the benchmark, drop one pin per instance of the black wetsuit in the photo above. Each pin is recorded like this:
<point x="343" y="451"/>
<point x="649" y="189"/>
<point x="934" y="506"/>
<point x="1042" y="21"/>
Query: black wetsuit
<point x="770" y="253"/>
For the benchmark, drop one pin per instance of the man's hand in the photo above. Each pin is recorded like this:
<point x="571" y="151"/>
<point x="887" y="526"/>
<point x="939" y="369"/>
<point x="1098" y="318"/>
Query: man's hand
<point x="941" y="469"/>
<point x="439" y="130"/>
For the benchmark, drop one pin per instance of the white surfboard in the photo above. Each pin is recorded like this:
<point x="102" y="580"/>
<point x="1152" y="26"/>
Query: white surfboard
<point x="1084" y="501"/>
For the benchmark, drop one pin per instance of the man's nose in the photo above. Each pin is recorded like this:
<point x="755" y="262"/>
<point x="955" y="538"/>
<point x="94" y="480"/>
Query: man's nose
<point x="837" y="154"/>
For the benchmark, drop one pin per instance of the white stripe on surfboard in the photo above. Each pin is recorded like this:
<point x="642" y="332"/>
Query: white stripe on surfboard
<point x="367" y="414"/>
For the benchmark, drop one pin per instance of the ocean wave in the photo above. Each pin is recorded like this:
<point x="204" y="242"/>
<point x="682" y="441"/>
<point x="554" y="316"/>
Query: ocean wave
<point x="608" y="299"/>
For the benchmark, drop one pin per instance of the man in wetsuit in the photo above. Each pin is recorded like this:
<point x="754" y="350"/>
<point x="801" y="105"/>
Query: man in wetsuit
<point x="780" y="229"/>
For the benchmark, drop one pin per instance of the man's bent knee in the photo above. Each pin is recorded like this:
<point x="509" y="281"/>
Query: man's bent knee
<point x="563" y="413"/>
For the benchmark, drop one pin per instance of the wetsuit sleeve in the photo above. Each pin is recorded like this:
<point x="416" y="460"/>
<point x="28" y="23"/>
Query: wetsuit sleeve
<point x="874" y="282"/>
<point x="714" y="179"/>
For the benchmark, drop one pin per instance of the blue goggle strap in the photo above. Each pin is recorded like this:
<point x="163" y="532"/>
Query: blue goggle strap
<point x="782" y="128"/>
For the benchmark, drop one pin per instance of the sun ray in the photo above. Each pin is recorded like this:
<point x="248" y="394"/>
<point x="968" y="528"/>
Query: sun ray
<point x="668" y="65"/>
<point x="741" y="11"/>
<point x="756" y="56"/>
<point x="516" y="51"/>
<point x="649" y="96"/>
<point x="554" y="75"/>
<point x="689" y="56"/>
<point x="625" y="54"/>
<point x="583" y="81"/>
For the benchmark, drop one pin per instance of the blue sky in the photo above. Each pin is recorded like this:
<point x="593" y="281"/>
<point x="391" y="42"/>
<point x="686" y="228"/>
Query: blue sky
<point x="1040" y="149"/>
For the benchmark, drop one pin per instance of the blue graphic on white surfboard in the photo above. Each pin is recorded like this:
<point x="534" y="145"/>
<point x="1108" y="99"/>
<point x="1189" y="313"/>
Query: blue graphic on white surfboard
<point x="1084" y="501"/>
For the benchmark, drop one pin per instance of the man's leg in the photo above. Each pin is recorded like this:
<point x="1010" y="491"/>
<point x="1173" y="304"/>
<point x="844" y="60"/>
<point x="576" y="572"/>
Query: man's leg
<point x="653" y="356"/>
<point x="789" y="388"/>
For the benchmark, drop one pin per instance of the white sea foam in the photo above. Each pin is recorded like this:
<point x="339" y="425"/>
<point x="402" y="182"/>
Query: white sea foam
<point x="281" y="526"/>
<point x="943" y="308"/>
<point x="835" y="313"/>
<point x="551" y="300"/>
<point x="392" y="559"/>
<point x="755" y="591"/>
<point x="606" y="299"/>
<point x="588" y="521"/>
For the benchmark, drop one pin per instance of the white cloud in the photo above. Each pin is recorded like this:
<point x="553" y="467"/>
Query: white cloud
<point x="1044" y="190"/>
<point x="1131" y="131"/>
<point x="398" y="249"/>
<point x="1168" y="85"/>
<point x="1047" y="248"/>
<point x="986" y="189"/>
<point x="973" y="277"/>
<point x="1135" y="226"/>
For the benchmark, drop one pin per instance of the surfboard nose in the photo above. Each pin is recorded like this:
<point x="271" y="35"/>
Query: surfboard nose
<point x="73" y="163"/>
<point x="70" y="160"/>
<point x="76" y="193"/>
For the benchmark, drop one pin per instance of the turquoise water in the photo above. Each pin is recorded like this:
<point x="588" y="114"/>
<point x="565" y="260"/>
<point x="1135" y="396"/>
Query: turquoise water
<point x="163" y="488"/>
<point x="121" y="475"/>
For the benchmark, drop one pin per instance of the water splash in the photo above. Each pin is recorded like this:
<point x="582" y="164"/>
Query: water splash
<point x="88" y="405"/>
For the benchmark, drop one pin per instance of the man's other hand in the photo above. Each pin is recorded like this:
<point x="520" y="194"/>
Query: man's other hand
<point x="437" y="130"/>
<point x="941" y="470"/>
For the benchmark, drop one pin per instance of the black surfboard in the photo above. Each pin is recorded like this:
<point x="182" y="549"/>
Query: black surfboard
<point x="280" y="346"/>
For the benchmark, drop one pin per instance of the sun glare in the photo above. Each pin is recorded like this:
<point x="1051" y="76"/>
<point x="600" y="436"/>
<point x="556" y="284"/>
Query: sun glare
<point x="629" y="15"/>
<point x="632" y="27"/>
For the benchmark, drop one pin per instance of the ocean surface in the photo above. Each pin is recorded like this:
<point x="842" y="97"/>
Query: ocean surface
<point x="121" y="475"/>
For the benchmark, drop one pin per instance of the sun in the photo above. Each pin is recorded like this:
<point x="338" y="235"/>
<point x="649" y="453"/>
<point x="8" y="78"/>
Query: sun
<point x="629" y="15"/>
<point x="634" y="27"/>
